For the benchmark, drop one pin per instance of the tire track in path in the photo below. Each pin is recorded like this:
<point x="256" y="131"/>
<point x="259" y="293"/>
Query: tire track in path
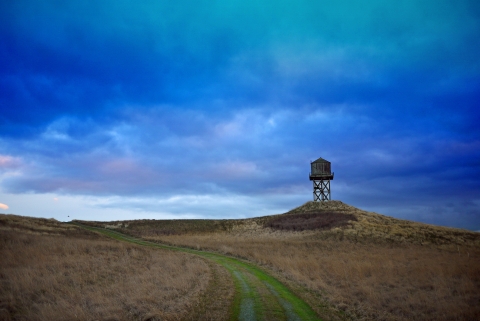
<point x="258" y="295"/>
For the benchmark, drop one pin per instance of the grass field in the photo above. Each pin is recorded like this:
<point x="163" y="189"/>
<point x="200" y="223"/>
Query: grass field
<point x="344" y="262"/>
<point x="52" y="271"/>
<point x="371" y="266"/>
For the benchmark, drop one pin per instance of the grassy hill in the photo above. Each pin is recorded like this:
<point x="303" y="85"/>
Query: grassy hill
<point x="368" y="265"/>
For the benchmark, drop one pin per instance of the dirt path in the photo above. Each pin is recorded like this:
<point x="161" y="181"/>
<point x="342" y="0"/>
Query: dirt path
<point x="258" y="295"/>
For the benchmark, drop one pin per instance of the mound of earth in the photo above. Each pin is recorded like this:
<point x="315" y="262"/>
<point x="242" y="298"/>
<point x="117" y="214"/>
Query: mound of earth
<point x="330" y="206"/>
<point x="364" y="224"/>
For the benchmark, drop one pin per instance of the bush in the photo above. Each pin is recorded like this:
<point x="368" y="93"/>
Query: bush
<point x="310" y="221"/>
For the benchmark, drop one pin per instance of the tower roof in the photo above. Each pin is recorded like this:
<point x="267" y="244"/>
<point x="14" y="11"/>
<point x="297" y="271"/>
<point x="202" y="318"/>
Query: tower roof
<point x="321" y="160"/>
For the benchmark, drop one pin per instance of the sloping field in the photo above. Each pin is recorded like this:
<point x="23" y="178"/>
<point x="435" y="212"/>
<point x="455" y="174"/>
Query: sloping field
<point x="55" y="271"/>
<point x="366" y="265"/>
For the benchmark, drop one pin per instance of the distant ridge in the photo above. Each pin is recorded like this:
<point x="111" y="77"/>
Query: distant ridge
<point x="332" y="219"/>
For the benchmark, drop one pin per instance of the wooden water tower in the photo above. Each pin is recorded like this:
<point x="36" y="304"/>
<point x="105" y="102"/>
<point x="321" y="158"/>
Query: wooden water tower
<point x="321" y="174"/>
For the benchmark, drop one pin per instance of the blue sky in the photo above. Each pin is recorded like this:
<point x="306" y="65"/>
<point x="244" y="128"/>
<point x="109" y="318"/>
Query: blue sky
<point x="120" y="110"/>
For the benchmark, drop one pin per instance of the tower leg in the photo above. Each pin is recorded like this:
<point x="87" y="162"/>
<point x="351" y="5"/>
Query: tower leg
<point x="329" y="192"/>
<point x="316" y="191"/>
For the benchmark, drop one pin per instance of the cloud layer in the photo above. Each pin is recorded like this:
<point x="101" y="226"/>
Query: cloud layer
<point x="210" y="106"/>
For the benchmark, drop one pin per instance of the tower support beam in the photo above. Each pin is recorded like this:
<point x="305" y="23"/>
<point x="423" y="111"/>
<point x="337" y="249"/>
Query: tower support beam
<point x="321" y="190"/>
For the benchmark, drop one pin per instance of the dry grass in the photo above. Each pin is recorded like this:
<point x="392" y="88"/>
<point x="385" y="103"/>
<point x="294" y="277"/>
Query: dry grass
<point x="371" y="281"/>
<point x="51" y="271"/>
<point x="374" y="268"/>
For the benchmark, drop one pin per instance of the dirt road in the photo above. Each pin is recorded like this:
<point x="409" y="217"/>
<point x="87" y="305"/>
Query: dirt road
<point x="258" y="295"/>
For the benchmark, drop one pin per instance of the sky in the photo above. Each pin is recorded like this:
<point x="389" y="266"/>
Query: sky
<point x="114" y="110"/>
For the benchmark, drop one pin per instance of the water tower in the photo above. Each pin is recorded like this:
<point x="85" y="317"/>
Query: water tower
<point x="321" y="174"/>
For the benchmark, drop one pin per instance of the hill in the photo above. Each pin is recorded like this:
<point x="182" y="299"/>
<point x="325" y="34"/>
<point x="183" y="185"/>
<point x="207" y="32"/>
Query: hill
<point x="368" y="265"/>
<point x="323" y="219"/>
<point x="360" y="224"/>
